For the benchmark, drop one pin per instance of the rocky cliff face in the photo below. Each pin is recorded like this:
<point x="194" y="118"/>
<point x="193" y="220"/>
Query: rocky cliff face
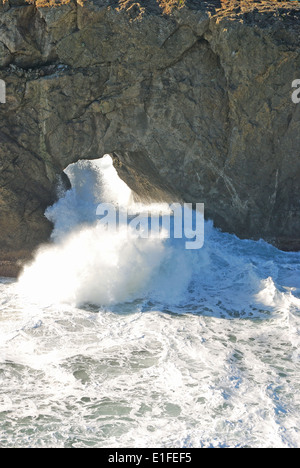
<point x="193" y="106"/>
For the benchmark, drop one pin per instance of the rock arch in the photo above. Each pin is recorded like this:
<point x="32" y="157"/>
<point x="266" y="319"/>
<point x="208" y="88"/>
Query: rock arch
<point x="185" y="113"/>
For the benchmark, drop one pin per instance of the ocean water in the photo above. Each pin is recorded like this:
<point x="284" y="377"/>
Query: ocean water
<point x="110" y="340"/>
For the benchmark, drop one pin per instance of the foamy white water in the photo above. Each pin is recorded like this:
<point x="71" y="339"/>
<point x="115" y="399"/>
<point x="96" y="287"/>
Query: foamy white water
<point x="113" y="341"/>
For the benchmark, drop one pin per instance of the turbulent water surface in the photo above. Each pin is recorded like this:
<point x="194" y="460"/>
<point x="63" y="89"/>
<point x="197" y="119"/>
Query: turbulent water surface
<point x="110" y="340"/>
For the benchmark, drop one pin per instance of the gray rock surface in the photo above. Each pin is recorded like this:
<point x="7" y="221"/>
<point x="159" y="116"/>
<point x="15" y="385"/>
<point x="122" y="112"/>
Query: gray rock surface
<point x="193" y="106"/>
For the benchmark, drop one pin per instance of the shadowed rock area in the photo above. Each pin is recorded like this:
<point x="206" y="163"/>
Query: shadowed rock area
<point x="193" y="106"/>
